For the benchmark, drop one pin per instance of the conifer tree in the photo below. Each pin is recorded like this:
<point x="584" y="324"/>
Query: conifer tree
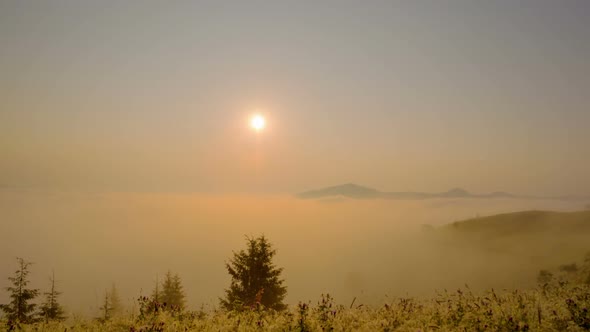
<point x="255" y="279"/>
<point x="152" y="303"/>
<point x="106" y="309"/>
<point x="172" y="291"/>
<point x="115" y="301"/>
<point x="156" y="293"/>
<point x="20" y="310"/>
<point x="51" y="309"/>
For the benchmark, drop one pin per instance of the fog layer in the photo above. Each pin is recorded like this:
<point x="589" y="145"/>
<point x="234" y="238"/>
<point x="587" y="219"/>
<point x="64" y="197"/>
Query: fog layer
<point x="369" y="249"/>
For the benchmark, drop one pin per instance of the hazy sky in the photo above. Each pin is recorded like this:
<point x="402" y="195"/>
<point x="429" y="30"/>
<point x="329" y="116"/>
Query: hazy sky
<point x="399" y="95"/>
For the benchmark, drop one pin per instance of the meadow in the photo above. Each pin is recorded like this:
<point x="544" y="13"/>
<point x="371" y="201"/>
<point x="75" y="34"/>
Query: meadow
<point x="553" y="306"/>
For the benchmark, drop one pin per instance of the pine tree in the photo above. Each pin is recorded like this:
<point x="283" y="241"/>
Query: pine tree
<point x="172" y="291"/>
<point x="115" y="301"/>
<point x="179" y="297"/>
<point x="156" y="294"/>
<point x="153" y="303"/>
<point x="19" y="309"/>
<point x="106" y="309"/>
<point x="255" y="279"/>
<point x="51" y="309"/>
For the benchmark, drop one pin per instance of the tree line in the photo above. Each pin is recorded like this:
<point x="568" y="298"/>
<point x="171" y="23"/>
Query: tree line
<point x="20" y="308"/>
<point x="255" y="283"/>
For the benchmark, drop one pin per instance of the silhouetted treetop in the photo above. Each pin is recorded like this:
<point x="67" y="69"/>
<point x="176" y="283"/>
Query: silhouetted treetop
<point x="20" y="310"/>
<point x="255" y="279"/>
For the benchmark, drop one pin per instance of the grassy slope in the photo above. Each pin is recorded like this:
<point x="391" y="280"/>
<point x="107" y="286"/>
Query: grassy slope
<point x="511" y="248"/>
<point x="527" y="222"/>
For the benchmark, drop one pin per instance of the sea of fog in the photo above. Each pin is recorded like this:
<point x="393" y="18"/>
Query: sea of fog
<point x="369" y="249"/>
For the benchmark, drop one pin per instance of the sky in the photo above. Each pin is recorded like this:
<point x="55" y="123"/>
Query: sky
<point x="399" y="95"/>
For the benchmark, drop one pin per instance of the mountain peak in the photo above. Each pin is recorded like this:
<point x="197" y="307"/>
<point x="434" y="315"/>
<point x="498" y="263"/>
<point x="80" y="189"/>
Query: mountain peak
<point x="457" y="192"/>
<point x="350" y="190"/>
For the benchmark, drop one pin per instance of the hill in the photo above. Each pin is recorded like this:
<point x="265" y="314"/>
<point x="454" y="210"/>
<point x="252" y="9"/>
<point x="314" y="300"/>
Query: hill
<point x="349" y="190"/>
<point x="531" y="240"/>
<point x="526" y="222"/>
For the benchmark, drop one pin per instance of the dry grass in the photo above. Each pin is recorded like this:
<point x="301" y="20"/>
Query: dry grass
<point x="557" y="306"/>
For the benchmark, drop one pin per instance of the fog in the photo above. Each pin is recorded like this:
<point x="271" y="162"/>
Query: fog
<point x="368" y="249"/>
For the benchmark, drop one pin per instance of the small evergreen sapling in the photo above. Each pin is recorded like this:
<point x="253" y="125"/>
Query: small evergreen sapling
<point x="106" y="310"/>
<point x="20" y="310"/>
<point x="172" y="292"/>
<point x="115" y="301"/>
<point x="51" y="310"/>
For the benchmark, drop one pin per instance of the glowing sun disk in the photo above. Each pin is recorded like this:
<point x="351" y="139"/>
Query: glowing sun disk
<point x="257" y="122"/>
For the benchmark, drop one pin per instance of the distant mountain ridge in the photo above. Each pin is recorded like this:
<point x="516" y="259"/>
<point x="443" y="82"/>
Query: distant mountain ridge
<point x="351" y="190"/>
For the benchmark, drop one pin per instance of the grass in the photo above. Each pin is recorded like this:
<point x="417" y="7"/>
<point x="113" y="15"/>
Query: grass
<point x="555" y="306"/>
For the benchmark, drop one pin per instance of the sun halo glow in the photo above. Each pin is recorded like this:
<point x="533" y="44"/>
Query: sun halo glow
<point x="257" y="122"/>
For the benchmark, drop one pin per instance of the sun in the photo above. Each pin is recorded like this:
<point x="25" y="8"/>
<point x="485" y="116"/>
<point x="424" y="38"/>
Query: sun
<point x="257" y="122"/>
